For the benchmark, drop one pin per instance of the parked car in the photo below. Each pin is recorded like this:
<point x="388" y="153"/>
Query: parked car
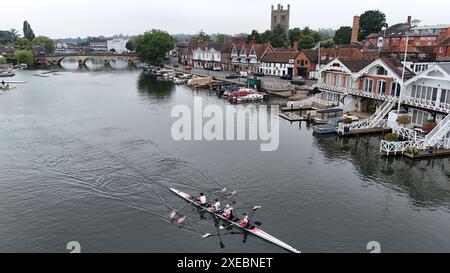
<point x="298" y="81"/>
<point x="243" y="74"/>
<point x="232" y="76"/>
<point x="176" y="65"/>
<point x="217" y="68"/>
<point x="258" y="74"/>
<point x="187" y="67"/>
<point x="286" y="77"/>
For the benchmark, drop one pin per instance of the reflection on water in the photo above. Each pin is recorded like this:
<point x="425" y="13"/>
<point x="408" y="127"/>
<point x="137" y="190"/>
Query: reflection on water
<point x="149" y="87"/>
<point x="70" y="63"/>
<point x="94" y="64"/>
<point x="426" y="181"/>
<point x="119" y="63"/>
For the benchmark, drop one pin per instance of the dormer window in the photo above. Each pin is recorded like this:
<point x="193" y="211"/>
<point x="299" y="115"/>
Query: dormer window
<point x="381" y="71"/>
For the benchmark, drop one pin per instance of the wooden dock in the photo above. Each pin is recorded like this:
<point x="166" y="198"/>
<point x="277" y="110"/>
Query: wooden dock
<point x="293" y="117"/>
<point x="365" y="131"/>
<point x="295" y="109"/>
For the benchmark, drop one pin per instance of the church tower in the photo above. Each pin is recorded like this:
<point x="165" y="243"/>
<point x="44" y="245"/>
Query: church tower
<point x="280" y="16"/>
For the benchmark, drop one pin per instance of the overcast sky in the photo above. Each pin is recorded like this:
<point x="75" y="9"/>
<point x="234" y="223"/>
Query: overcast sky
<point x="72" y="18"/>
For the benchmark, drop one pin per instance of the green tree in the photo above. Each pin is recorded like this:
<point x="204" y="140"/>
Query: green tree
<point x="24" y="56"/>
<point x="254" y="34"/>
<point x="2" y="60"/>
<point x="48" y="43"/>
<point x="27" y="31"/>
<point x="327" y="44"/>
<point x="201" y="35"/>
<point x="14" y="32"/>
<point x="153" y="45"/>
<point x="221" y="38"/>
<point x="6" y="37"/>
<point x="279" y="37"/>
<point x="22" y="43"/>
<point x="130" y="45"/>
<point x="307" y="42"/>
<point x="294" y="35"/>
<point x="266" y="36"/>
<point x="371" y="21"/>
<point x="343" y="36"/>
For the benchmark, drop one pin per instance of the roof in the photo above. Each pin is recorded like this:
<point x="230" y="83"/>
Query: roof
<point x="397" y="30"/>
<point x="445" y="42"/>
<point x="280" y="56"/>
<point x="311" y="54"/>
<point x="355" y="64"/>
<point x="397" y="67"/>
<point x="445" y="67"/>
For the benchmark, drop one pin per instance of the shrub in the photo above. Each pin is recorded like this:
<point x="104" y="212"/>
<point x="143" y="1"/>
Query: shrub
<point x="391" y="137"/>
<point x="428" y="126"/>
<point x="347" y="120"/>
<point x="404" y="120"/>
<point x="412" y="151"/>
<point x="2" y="60"/>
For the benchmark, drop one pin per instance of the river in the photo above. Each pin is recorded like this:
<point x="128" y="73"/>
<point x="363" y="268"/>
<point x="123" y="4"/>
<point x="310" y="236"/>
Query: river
<point x="89" y="157"/>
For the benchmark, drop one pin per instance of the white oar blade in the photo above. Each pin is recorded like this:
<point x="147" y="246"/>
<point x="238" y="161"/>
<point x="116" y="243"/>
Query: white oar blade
<point x="257" y="207"/>
<point x="221" y="227"/>
<point x="206" y="235"/>
<point x="172" y="215"/>
<point x="223" y="190"/>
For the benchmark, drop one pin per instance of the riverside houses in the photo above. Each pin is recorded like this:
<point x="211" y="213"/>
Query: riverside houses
<point x="279" y="63"/>
<point x="247" y="57"/>
<point x="212" y="55"/>
<point x="359" y="84"/>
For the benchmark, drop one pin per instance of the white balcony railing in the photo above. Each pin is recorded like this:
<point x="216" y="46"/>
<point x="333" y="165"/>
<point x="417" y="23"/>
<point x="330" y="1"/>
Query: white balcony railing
<point x="427" y="104"/>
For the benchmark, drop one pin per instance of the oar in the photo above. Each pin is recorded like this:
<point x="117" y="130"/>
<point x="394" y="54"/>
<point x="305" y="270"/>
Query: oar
<point x="255" y="208"/>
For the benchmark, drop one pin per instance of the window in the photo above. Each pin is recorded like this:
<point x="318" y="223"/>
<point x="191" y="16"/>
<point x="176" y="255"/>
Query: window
<point x="445" y="96"/>
<point x="419" y="117"/>
<point x="330" y="79"/>
<point x="395" y="89"/>
<point x="302" y="63"/>
<point x="381" y="71"/>
<point x="381" y="87"/>
<point x="368" y="85"/>
<point x="338" y="80"/>
<point x="348" y="82"/>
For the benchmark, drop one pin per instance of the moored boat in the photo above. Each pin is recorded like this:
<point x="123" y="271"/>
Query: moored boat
<point x="245" y="95"/>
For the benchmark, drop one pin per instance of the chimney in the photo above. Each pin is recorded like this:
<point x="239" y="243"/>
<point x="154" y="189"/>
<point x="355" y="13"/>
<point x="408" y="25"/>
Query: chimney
<point x="295" y="46"/>
<point x="355" y="29"/>
<point x="279" y="6"/>
<point x="409" y="21"/>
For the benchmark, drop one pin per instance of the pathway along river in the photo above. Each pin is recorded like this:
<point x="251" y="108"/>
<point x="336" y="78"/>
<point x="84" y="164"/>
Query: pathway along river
<point x="88" y="157"/>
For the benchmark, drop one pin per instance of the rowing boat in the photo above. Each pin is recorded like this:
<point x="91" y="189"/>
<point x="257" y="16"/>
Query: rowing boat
<point x="250" y="229"/>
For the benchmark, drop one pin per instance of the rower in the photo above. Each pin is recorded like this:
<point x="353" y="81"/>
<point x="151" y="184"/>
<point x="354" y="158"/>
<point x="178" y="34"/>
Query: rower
<point x="243" y="222"/>
<point x="227" y="211"/>
<point x="216" y="206"/>
<point x="202" y="199"/>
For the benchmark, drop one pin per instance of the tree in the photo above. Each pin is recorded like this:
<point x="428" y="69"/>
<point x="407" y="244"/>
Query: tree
<point x="27" y="31"/>
<point x="24" y="56"/>
<point x="371" y="21"/>
<point x="152" y="46"/>
<point x="221" y="38"/>
<point x="279" y="37"/>
<point x="255" y="34"/>
<point x="2" y="60"/>
<point x="46" y="42"/>
<point x="343" y="36"/>
<point x="14" y="32"/>
<point x="130" y="45"/>
<point x="306" y="42"/>
<point x="201" y="35"/>
<point x="328" y="43"/>
<point x="294" y="35"/>
<point x="22" y="43"/>
<point x="6" y="37"/>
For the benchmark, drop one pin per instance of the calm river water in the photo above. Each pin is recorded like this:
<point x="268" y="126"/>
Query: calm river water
<point x="88" y="157"/>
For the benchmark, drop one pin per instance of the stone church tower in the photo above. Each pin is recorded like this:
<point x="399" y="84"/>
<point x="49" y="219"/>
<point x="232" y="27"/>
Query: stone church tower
<point x="280" y="16"/>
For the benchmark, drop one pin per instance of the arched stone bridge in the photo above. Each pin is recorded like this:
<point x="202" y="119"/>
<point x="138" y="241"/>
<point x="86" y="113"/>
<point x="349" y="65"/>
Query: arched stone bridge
<point x="82" y="57"/>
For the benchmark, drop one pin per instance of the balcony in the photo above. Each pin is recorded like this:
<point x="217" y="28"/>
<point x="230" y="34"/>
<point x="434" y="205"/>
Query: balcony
<point x="352" y="91"/>
<point x="427" y="104"/>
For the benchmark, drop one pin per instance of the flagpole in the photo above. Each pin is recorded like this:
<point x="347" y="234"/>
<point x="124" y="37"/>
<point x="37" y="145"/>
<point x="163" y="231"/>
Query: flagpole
<point x="318" y="64"/>
<point x="403" y="76"/>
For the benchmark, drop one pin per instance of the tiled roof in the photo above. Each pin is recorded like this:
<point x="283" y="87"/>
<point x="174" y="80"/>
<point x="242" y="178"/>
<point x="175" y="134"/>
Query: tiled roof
<point x="311" y="54"/>
<point x="355" y="64"/>
<point x="397" y="67"/>
<point x="445" y="42"/>
<point x="280" y="56"/>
